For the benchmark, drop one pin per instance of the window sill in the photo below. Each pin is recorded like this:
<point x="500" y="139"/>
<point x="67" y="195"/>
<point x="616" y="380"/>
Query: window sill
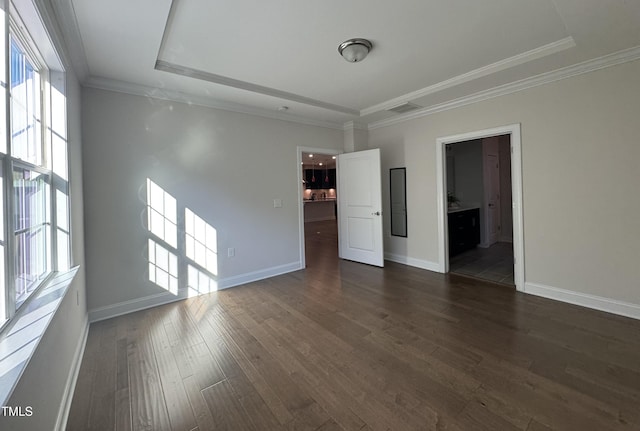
<point x="20" y="339"/>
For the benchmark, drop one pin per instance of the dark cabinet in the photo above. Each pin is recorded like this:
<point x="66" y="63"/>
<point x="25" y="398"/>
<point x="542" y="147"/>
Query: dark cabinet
<point x="464" y="230"/>
<point x="324" y="179"/>
<point x="329" y="179"/>
<point x="312" y="179"/>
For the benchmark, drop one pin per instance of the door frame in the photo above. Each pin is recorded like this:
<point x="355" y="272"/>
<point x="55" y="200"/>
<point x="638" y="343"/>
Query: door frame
<point x="300" y="150"/>
<point x="516" y="195"/>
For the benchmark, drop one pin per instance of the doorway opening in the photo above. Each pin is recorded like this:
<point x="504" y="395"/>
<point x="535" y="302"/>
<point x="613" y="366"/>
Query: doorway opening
<point x="318" y="192"/>
<point x="480" y="225"/>
<point x="480" y="205"/>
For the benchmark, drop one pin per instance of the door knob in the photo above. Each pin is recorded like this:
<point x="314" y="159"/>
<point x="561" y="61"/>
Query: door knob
<point x="376" y="213"/>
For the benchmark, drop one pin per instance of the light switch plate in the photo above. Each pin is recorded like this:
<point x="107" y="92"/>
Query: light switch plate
<point x="277" y="203"/>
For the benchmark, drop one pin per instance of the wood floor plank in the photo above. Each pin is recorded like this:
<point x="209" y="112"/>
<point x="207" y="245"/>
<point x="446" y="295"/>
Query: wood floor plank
<point x="223" y="326"/>
<point x="122" y="402"/>
<point x="372" y="410"/>
<point x="123" y="410"/>
<point x="254" y="404"/>
<point x="148" y="408"/>
<point x="103" y="398"/>
<point x="226" y="410"/>
<point x="81" y="403"/>
<point x="173" y="389"/>
<point x="198" y="404"/>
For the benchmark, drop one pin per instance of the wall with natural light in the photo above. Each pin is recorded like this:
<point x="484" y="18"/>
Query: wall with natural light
<point x="168" y="179"/>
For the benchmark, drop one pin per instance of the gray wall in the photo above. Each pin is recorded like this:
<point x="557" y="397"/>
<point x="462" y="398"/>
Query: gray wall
<point x="226" y="167"/>
<point x="580" y="157"/>
<point x="468" y="178"/>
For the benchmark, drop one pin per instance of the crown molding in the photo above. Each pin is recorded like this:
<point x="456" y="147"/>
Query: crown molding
<point x="498" y="66"/>
<point x="177" y="96"/>
<point x="603" y="62"/>
<point x="66" y="17"/>
<point x="189" y="72"/>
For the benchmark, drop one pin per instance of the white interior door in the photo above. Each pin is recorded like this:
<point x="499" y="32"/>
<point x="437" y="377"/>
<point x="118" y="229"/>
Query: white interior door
<point x="360" y="207"/>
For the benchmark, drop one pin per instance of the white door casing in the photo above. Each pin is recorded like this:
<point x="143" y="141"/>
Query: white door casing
<point x="360" y="207"/>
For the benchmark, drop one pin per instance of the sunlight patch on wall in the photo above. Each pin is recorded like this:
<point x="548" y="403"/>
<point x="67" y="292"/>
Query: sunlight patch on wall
<point x="163" y="267"/>
<point x="199" y="283"/>
<point x="162" y="214"/>
<point x="198" y="252"/>
<point x="162" y="220"/>
<point x="201" y="242"/>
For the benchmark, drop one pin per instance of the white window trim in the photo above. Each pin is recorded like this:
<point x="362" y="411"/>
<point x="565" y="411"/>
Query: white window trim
<point x="22" y="331"/>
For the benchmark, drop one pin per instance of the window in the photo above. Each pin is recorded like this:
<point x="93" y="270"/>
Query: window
<point x="32" y="230"/>
<point x="35" y="227"/>
<point x="26" y="112"/>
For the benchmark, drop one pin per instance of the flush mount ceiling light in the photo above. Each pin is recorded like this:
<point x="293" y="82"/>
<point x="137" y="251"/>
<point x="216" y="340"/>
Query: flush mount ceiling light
<point x="354" y="50"/>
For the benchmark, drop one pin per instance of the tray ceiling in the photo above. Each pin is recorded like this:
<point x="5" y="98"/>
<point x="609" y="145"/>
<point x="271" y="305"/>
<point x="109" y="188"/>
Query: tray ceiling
<point x="258" y="56"/>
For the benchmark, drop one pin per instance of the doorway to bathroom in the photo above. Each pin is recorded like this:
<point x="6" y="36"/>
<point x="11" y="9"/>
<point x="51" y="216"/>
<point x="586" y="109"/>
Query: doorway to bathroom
<point x="480" y="226"/>
<point x="480" y="205"/>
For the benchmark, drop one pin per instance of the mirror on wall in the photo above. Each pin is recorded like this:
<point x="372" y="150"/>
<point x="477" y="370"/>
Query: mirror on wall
<point x="398" y="194"/>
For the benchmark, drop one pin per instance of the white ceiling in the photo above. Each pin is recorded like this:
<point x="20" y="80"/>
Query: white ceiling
<point x="256" y="56"/>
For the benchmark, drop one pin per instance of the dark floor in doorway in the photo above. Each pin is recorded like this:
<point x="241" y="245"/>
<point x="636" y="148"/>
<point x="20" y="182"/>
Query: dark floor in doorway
<point x="494" y="263"/>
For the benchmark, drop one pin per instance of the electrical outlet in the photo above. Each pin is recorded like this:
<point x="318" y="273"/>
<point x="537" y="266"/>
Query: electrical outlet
<point x="231" y="252"/>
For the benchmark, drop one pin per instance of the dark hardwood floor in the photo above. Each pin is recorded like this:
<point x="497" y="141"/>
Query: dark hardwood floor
<point x="344" y="346"/>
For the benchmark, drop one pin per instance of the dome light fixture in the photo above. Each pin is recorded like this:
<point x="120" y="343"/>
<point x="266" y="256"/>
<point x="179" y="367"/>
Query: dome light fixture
<point x="354" y="50"/>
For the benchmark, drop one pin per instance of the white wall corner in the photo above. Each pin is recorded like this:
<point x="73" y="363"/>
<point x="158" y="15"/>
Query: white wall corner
<point x="608" y="305"/>
<point x="356" y="137"/>
<point x="72" y="378"/>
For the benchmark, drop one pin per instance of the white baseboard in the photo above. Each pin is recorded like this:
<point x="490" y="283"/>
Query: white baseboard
<point x="418" y="263"/>
<point x="259" y="275"/>
<point x="621" y="308"/>
<point x="162" y="298"/>
<point x="126" y="307"/>
<point x="67" y="396"/>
